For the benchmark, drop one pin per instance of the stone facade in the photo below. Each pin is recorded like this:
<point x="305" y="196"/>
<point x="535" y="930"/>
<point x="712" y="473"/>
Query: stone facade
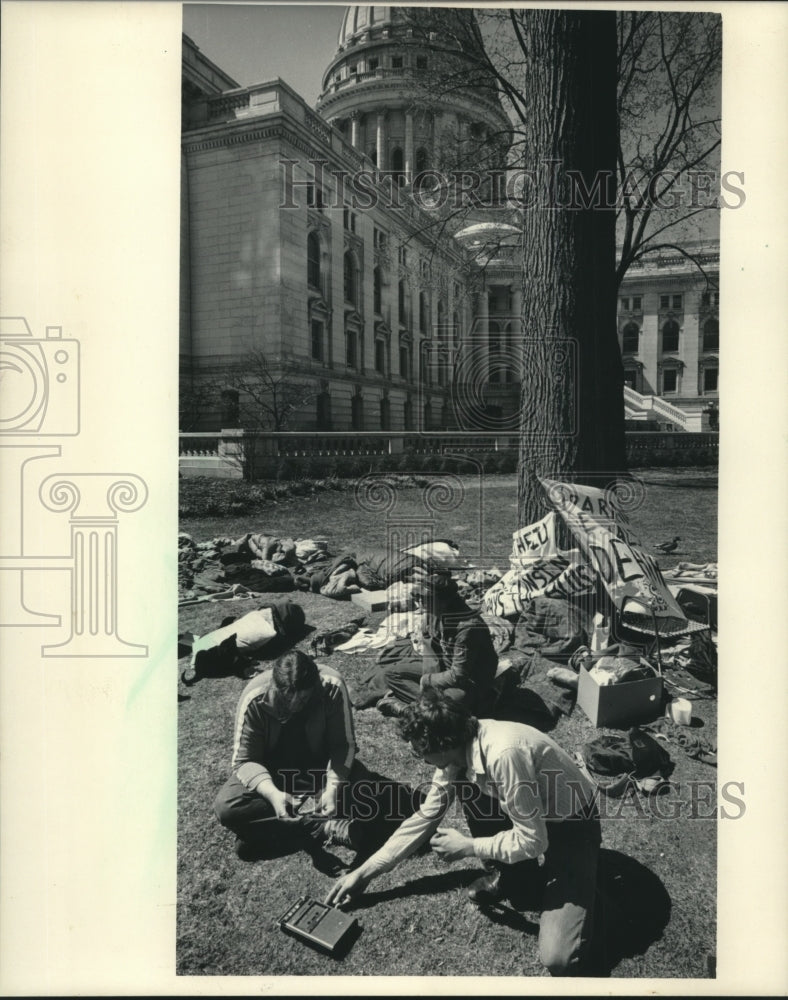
<point x="308" y="237"/>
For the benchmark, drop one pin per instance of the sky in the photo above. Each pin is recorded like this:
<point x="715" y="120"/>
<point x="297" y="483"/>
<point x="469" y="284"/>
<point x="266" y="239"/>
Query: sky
<point x="254" y="42"/>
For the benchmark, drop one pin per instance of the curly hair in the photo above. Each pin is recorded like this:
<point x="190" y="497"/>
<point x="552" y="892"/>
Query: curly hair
<point x="436" y="723"/>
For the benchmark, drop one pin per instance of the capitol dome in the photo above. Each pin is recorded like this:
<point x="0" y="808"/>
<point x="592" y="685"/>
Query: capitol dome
<point x="380" y="91"/>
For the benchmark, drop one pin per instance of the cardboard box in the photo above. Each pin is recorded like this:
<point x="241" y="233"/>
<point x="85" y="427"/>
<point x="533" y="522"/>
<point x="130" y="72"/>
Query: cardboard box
<point x="619" y="704"/>
<point x="371" y="600"/>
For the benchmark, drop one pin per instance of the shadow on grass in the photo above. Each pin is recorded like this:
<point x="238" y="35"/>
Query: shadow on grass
<point x="634" y="909"/>
<point x="427" y="885"/>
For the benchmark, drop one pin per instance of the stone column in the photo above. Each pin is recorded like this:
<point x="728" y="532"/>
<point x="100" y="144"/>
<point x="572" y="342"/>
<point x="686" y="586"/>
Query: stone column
<point x="354" y="125"/>
<point x="94" y="501"/>
<point x="408" y="147"/>
<point x="380" y="140"/>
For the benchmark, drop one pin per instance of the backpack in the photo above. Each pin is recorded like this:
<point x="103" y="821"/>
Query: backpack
<point x="618" y="759"/>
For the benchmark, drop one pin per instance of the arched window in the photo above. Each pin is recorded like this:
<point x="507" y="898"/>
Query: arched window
<point x="630" y="339"/>
<point x="670" y="336"/>
<point x="711" y="335"/>
<point x="313" y="260"/>
<point x="351" y="279"/>
<point x="378" y="281"/>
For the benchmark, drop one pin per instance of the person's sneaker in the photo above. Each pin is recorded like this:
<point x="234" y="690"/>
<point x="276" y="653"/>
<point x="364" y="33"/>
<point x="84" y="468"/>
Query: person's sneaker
<point x="486" y="890"/>
<point x="390" y="706"/>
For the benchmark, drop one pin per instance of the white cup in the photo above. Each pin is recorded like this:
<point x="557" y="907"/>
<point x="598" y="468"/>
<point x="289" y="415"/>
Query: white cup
<point x="681" y="711"/>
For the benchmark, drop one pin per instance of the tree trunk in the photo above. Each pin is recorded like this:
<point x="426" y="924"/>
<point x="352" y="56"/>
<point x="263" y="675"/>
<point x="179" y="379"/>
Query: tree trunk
<point x="572" y="410"/>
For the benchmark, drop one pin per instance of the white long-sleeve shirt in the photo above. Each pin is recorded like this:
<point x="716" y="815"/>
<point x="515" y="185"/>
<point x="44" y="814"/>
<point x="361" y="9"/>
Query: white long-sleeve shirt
<point x="534" y="780"/>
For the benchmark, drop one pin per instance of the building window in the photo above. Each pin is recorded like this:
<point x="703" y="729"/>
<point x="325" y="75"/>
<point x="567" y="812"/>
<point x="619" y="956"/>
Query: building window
<point x="710" y="377"/>
<point x="404" y="359"/>
<point x="357" y="412"/>
<point x="380" y="356"/>
<point x="407" y="415"/>
<point x="711" y="335"/>
<point x="630" y="339"/>
<point x="313" y="260"/>
<point x="396" y="62"/>
<point x="380" y="239"/>
<point x="314" y="196"/>
<point x="378" y="290"/>
<point x="428" y="416"/>
<point x="385" y="414"/>
<point x="421" y="62"/>
<point x="424" y="316"/>
<point x="670" y="381"/>
<point x="372" y="65"/>
<point x="402" y="256"/>
<point x="317" y="340"/>
<point x="455" y="324"/>
<point x="670" y="336"/>
<point x="324" y="411"/>
<point x="637" y="303"/>
<point x="351" y="279"/>
<point x="351" y="349"/>
<point x="664" y="302"/>
<point x="708" y="299"/>
<point x="404" y="311"/>
<point x="624" y="304"/>
<point x="631" y="378"/>
<point x="349" y="219"/>
<point x="678" y="301"/>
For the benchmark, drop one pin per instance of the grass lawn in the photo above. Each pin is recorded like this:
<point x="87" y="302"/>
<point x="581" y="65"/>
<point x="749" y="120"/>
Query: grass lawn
<point x="660" y="874"/>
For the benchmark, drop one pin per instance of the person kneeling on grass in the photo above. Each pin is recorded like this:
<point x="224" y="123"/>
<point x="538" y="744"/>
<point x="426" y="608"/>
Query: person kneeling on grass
<point x="523" y="797"/>
<point x="294" y="741"/>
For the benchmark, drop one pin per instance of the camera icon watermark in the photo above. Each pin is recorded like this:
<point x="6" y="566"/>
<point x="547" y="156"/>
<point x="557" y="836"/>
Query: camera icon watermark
<point x="39" y="401"/>
<point x="39" y="381"/>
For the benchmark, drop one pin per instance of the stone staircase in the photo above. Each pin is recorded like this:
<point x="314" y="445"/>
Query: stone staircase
<point x="645" y="408"/>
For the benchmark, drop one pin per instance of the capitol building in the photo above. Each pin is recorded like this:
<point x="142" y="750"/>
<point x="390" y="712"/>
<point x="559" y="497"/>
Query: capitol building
<point x="320" y="238"/>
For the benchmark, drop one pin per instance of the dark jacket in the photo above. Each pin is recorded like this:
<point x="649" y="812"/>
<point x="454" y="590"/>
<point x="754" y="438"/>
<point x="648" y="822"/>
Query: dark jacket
<point x="329" y="729"/>
<point x="463" y="648"/>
